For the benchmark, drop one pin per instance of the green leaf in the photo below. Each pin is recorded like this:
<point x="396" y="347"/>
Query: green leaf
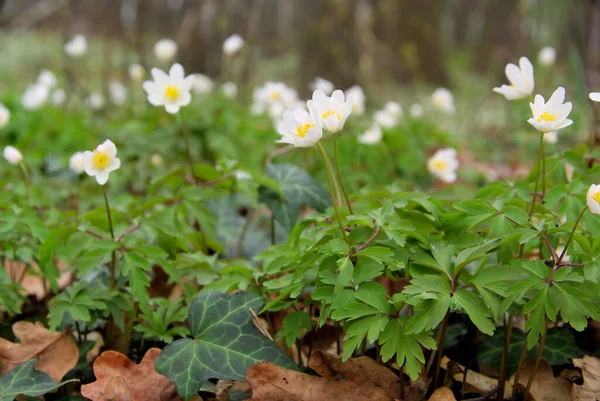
<point x="25" y="380"/>
<point x="429" y="313"/>
<point x="224" y="346"/>
<point x="476" y="309"/>
<point x="293" y="324"/>
<point x="298" y="189"/>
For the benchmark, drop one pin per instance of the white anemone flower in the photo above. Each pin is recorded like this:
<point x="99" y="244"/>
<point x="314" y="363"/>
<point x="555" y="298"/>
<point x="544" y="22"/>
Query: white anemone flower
<point x="202" y="84"/>
<point x="233" y="44"/>
<point x="58" y="97"/>
<point x="547" y="56"/>
<point x="372" y="136"/>
<point x="47" y="78"/>
<point x="35" y="96"/>
<point x="551" y="115"/>
<point x="322" y="84"/>
<point x="593" y="198"/>
<point x="165" y="49"/>
<point x="385" y="119"/>
<point x="229" y="90"/>
<point x="333" y="110"/>
<point x="101" y="161"/>
<point x="520" y="78"/>
<point x="443" y="165"/>
<point x="95" y="101"/>
<point x="156" y="160"/>
<point x="137" y="73"/>
<point x="442" y="99"/>
<point x="171" y="91"/>
<point x="394" y="108"/>
<point x="77" y="46"/>
<point x="416" y="111"/>
<point x="76" y="163"/>
<point x="4" y="116"/>
<point x="301" y="128"/>
<point x="357" y="97"/>
<point x="118" y="93"/>
<point x="12" y="155"/>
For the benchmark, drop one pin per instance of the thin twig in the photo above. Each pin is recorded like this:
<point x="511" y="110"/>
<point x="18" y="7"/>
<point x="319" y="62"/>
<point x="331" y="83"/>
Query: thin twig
<point x="129" y="231"/>
<point x="367" y="242"/>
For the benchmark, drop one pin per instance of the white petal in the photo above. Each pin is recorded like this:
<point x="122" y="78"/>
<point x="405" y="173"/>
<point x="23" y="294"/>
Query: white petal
<point x="115" y="164"/>
<point x="172" y="108"/>
<point x="109" y="148"/>
<point x="102" y="177"/>
<point x="558" y="97"/>
<point x="176" y="71"/>
<point x="595" y="96"/>
<point x="160" y="77"/>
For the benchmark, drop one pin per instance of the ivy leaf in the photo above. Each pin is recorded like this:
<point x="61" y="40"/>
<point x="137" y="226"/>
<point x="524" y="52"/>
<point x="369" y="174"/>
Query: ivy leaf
<point x="224" y="346"/>
<point x="25" y="380"/>
<point x="298" y="189"/>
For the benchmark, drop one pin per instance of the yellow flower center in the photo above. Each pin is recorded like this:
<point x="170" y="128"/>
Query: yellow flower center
<point x="276" y="95"/>
<point x="302" y="130"/>
<point x="439" y="164"/>
<point x="101" y="160"/>
<point x="172" y="92"/>
<point x="596" y="197"/>
<point x="547" y="117"/>
<point x="331" y="113"/>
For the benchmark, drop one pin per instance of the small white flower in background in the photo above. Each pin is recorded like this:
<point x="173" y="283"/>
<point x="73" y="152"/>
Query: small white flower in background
<point x="442" y="99"/>
<point x="322" y="84"/>
<point x="333" y="110"/>
<point x="385" y="119"/>
<point x="118" y="93"/>
<point x="77" y="46"/>
<point x="95" y="101"/>
<point x="547" y="56"/>
<point x="394" y="109"/>
<point x="275" y="92"/>
<point x="372" y="136"/>
<point x="101" y="161"/>
<point x="551" y="115"/>
<point x="165" y="49"/>
<point x="551" y="137"/>
<point x="171" y="91"/>
<point x="202" y="84"/>
<point x="76" y="163"/>
<point x="137" y="73"/>
<point x="520" y="78"/>
<point x="233" y="44"/>
<point x="35" y="96"/>
<point x="416" y="111"/>
<point x="242" y="175"/>
<point x="276" y="110"/>
<point x="156" y="160"/>
<point x="229" y="90"/>
<point x="58" y="97"/>
<point x="595" y="96"/>
<point x="593" y="198"/>
<point x="12" y="155"/>
<point x="443" y="164"/>
<point x="357" y="97"/>
<point x="4" y="116"/>
<point x="257" y="108"/>
<point x="47" y="78"/>
<point x="301" y="128"/>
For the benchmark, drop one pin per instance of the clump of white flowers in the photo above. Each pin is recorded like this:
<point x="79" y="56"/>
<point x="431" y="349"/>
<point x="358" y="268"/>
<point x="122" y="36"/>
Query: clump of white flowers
<point x="547" y="56"/>
<point x="165" y="49"/>
<point x="322" y="84"/>
<point x="95" y="101"/>
<point x="233" y="44"/>
<point x="202" y="84"/>
<point x="12" y="155"/>
<point x="389" y="116"/>
<point x="118" y="93"/>
<point x="58" y="97"/>
<point x="169" y="90"/>
<point x="443" y="100"/>
<point x="229" y="90"/>
<point x="4" y="116"/>
<point x="443" y="165"/>
<point x="371" y="136"/>
<point x="137" y="73"/>
<point x="521" y="80"/>
<point x="35" y="96"/>
<point x="101" y="161"/>
<point x="416" y="111"/>
<point x="47" y="78"/>
<point x="77" y="46"/>
<point x="357" y="98"/>
<point x="273" y="97"/>
<point x="552" y="115"/>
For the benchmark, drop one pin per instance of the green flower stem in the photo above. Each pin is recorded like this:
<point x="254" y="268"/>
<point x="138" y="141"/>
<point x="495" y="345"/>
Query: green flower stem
<point x="113" y="258"/>
<point x="537" y="176"/>
<point x="27" y="181"/>
<point x="508" y="327"/>
<point x="330" y="179"/>
<point x="339" y="173"/>
<point x="538" y="357"/>
<point x="564" y="252"/>
<point x="187" y="146"/>
<point x="543" y="167"/>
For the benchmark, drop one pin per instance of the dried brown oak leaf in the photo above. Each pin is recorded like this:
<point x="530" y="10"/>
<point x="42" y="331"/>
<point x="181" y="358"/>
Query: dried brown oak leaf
<point x="119" y="379"/>
<point x="442" y="394"/>
<point x="590" y="370"/>
<point x="56" y="352"/>
<point x="545" y="386"/>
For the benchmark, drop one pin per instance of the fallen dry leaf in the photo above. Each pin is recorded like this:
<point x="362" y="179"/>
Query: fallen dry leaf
<point x="481" y="383"/>
<point x="56" y="352"/>
<point x="545" y="386"/>
<point x="362" y="371"/>
<point x="119" y="379"/>
<point x="30" y="277"/>
<point x="442" y="394"/>
<point x="590" y="370"/>
<point x="99" y="343"/>
<point x="269" y="382"/>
